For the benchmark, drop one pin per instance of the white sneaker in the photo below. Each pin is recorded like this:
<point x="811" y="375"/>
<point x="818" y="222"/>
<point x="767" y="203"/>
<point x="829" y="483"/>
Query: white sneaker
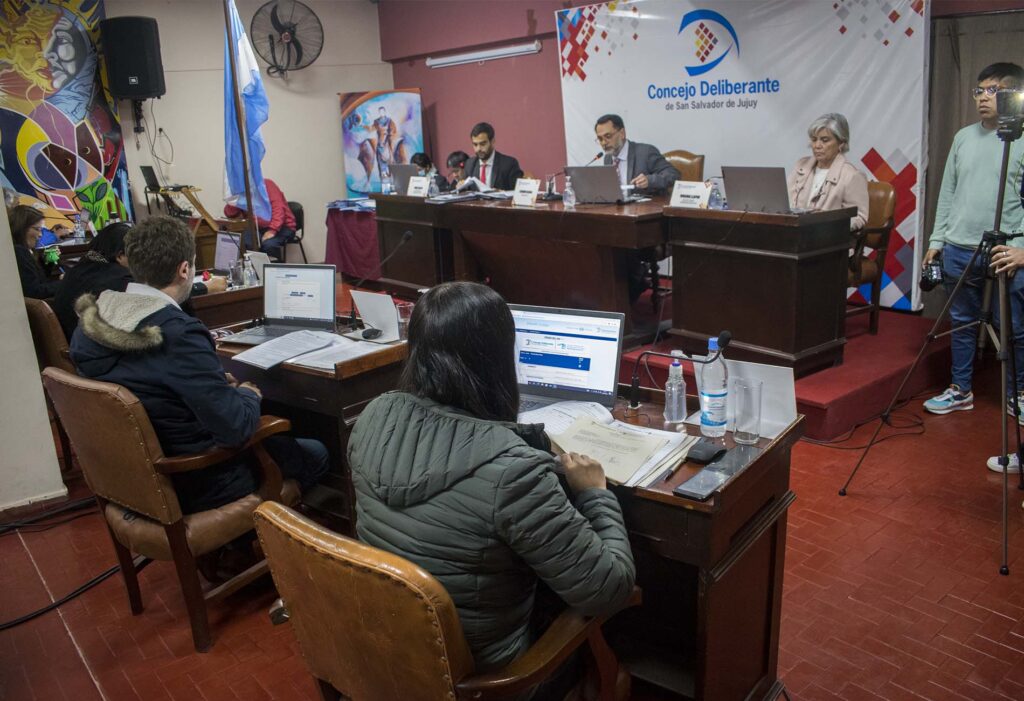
<point x="1013" y="468"/>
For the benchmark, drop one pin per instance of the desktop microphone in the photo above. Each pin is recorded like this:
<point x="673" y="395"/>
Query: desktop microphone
<point x="550" y="195"/>
<point x="352" y="312"/>
<point x="600" y="154"/>
<point x="724" y="338"/>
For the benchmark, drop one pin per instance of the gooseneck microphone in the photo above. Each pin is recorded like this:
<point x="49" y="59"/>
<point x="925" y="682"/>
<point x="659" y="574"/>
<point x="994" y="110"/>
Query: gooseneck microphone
<point x="352" y="312"/>
<point x="724" y="338"/>
<point x="600" y="154"/>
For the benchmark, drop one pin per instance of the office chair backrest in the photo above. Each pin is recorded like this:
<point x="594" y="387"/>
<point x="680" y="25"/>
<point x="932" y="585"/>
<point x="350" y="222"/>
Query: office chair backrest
<point x="114" y="442"/>
<point x="47" y="336"/>
<point x="300" y="216"/>
<point x="689" y="165"/>
<point x="371" y="624"/>
<point x="881" y="208"/>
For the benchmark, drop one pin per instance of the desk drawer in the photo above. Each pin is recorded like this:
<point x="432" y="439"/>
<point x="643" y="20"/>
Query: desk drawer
<point x="667" y="531"/>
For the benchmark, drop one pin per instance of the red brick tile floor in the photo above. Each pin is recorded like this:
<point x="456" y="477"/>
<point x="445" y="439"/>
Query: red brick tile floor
<point x="890" y="593"/>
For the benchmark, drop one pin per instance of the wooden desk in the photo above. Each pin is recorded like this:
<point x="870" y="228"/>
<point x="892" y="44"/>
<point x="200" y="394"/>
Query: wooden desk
<point x="546" y="255"/>
<point x="777" y="281"/>
<point x="228" y="307"/>
<point x="711" y="573"/>
<point x="324" y="405"/>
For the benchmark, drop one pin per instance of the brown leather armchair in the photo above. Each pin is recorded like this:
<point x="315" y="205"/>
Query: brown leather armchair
<point x="372" y="625"/>
<point x="689" y="165"/>
<point x="126" y="469"/>
<point x="51" y="351"/>
<point x="874" y="235"/>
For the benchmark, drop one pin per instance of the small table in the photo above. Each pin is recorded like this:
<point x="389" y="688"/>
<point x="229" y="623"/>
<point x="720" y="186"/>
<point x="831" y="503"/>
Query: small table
<point x="352" y="243"/>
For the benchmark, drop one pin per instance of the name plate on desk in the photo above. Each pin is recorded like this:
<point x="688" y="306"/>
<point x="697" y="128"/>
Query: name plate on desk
<point x="692" y="195"/>
<point x="526" y="192"/>
<point x="418" y="186"/>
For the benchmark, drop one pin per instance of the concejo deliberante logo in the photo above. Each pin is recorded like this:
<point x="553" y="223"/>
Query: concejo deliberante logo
<point x="710" y="34"/>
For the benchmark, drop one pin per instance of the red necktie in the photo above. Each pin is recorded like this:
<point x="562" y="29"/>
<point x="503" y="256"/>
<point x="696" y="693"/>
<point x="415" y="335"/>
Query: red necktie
<point x="483" y="173"/>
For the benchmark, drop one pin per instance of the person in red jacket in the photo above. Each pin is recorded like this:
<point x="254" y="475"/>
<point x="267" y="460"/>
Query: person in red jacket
<point x="278" y="230"/>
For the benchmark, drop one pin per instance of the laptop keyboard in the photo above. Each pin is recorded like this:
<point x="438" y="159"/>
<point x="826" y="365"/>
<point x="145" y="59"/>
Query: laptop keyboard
<point x="266" y="332"/>
<point x="530" y="405"/>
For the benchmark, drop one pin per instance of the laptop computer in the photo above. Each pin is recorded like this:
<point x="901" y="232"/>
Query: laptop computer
<point x="226" y="251"/>
<point x="400" y="174"/>
<point x="757" y="189"/>
<point x="295" y="297"/>
<point x="566" y="354"/>
<point x="152" y="182"/>
<point x="597" y="185"/>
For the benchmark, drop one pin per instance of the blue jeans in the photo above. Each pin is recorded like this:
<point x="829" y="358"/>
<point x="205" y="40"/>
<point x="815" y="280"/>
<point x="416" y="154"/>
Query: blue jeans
<point x="967" y="308"/>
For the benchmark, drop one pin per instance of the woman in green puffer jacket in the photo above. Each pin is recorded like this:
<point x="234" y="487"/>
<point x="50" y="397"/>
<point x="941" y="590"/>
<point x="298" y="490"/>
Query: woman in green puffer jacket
<point x="446" y="478"/>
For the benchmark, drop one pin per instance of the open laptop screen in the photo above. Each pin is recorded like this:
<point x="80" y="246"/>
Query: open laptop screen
<point x="299" y="292"/>
<point x="567" y="353"/>
<point x="226" y="251"/>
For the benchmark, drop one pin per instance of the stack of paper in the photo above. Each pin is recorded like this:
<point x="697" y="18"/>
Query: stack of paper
<point x="278" y="350"/>
<point x="340" y="350"/>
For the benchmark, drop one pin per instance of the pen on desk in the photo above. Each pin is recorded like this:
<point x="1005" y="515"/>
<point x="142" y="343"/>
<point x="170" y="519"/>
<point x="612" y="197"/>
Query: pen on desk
<point x="667" y="474"/>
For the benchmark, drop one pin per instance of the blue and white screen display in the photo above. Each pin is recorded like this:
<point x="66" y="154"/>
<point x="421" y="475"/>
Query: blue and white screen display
<point x="567" y="351"/>
<point x="299" y="292"/>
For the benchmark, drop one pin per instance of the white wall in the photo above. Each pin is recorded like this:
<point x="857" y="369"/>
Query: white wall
<point x="303" y="135"/>
<point x="29" y="470"/>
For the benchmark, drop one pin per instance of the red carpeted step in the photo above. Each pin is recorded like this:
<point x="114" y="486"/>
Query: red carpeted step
<point x="837" y="399"/>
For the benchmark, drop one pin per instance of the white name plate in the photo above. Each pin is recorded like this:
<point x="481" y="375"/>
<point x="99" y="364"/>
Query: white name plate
<point x="526" y="192"/>
<point x="690" y="195"/>
<point x="418" y="186"/>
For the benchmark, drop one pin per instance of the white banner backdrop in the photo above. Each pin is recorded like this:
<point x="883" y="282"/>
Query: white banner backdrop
<point x="741" y="80"/>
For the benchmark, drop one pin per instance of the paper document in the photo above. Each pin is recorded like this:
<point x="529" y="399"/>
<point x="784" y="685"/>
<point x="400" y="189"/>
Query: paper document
<point x="341" y="350"/>
<point x="480" y="186"/>
<point x="278" y="350"/>
<point x="620" y="452"/>
<point x="558" y="417"/>
<point x="377" y="312"/>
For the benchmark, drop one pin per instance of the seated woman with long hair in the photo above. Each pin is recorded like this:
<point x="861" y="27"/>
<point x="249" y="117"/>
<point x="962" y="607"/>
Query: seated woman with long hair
<point x="446" y="478"/>
<point x="26" y="229"/>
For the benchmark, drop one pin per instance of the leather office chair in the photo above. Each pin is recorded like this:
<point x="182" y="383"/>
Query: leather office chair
<point x="300" y="229"/>
<point x="874" y="235"/>
<point x="51" y="351"/>
<point x="689" y="165"/>
<point x="372" y="625"/>
<point x="126" y="469"/>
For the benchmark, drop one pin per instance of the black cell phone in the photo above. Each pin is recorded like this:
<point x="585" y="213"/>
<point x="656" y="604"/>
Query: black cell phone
<point x="735" y="459"/>
<point x="704" y="451"/>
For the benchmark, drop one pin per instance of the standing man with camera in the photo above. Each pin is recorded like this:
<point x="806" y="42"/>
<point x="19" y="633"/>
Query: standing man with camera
<point x="966" y="209"/>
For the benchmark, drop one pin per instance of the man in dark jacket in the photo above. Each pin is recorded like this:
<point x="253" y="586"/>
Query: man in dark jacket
<point x="142" y="340"/>
<point x="496" y="170"/>
<point x="639" y="165"/>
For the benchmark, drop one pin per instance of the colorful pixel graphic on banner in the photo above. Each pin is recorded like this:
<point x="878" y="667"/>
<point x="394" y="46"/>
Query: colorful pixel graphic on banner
<point x="60" y="137"/>
<point x="379" y="129"/>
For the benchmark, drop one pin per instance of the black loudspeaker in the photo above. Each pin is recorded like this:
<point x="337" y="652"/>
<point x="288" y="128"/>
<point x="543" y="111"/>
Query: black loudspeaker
<point x="131" y="47"/>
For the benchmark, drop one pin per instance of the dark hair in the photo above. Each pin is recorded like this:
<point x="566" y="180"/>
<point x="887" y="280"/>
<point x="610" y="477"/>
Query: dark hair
<point x="110" y="241"/>
<point x="482" y="128"/>
<point x="156" y="247"/>
<point x="615" y="119"/>
<point x="457" y="159"/>
<point x="462" y="351"/>
<point x="422" y="160"/>
<point x="22" y="218"/>
<point x="1002" y="70"/>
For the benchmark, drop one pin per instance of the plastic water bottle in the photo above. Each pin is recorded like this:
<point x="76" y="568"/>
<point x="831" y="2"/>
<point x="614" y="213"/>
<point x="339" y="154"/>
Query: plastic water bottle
<point x="568" y="194"/>
<point x="675" y="391"/>
<point x="79" y="228"/>
<point x="386" y="186"/>
<point x="714" y="393"/>
<point x="432" y="189"/>
<point x="715" y="200"/>
<point x="249" y="273"/>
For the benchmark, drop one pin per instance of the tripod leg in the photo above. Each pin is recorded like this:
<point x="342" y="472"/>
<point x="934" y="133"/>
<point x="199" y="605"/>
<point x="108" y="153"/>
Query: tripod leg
<point x="932" y="335"/>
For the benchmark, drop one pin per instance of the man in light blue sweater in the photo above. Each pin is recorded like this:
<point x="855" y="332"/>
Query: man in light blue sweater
<point x="966" y="209"/>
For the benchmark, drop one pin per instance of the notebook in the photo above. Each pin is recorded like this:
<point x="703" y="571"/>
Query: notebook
<point x="295" y="297"/>
<point x="566" y="354"/>
<point x="597" y="185"/>
<point x="756" y="189"/>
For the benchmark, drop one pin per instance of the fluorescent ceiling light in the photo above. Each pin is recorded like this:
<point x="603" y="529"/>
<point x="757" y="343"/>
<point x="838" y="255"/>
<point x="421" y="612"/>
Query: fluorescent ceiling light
<point x="486" y="55"/>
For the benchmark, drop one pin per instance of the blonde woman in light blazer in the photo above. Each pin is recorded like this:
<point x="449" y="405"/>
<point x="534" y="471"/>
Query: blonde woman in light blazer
<point x="826" y="180"/>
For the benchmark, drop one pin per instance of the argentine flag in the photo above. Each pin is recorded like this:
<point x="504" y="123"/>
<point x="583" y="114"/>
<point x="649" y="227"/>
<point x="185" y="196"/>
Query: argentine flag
<point x="256" y="109"/>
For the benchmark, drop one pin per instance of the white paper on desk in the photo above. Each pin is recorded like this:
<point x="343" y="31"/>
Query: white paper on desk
<point x="621" y="452"/>
<point x="480" y="186"/>
<point x="278" y="350"/>
<point x="778" y="395"/>
<point x="377" y="312"/>
<point x="558" y="417"/>
<point x="339" y="351"/>
<point x="674" y="442"/>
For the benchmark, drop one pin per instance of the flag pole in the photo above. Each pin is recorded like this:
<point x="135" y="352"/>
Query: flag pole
<point x="239" y="122"/>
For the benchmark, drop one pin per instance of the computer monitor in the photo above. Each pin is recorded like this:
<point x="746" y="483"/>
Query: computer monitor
<point x="302" y="295"/>
<point x="568" y="354"/>
<point x="226" y="251"/>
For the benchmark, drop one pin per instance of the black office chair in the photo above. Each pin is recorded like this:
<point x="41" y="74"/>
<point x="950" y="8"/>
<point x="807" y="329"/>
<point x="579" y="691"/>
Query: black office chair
<point x="300" y="231"/>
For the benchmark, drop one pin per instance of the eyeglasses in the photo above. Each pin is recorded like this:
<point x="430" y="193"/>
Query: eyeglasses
<point x="990" y="91"/>
<point x="604" y="138"/>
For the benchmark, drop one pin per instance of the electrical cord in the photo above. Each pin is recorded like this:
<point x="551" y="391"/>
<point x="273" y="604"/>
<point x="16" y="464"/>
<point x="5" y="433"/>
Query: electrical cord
<point x="76" y="505"/>
<point x="915" y="421"/>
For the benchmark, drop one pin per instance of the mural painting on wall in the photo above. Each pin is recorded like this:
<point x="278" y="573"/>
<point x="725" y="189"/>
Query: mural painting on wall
<point x="60" y="136"/>
<point x="379" y="129"/>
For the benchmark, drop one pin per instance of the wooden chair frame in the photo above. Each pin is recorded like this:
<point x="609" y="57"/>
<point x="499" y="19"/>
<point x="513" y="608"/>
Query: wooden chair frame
<point x="877" y="238"/>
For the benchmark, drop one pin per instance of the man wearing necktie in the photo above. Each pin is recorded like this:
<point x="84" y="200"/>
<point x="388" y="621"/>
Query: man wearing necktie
<point x="639" y="165"/>
<point x="493" y="169"/>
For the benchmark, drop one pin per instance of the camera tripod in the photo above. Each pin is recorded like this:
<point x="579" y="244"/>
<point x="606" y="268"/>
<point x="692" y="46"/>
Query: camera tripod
<point x="1009" y="130"/>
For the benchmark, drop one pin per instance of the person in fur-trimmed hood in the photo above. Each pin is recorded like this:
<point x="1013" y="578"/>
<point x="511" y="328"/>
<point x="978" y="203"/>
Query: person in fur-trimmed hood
<point x="142" y="340"/>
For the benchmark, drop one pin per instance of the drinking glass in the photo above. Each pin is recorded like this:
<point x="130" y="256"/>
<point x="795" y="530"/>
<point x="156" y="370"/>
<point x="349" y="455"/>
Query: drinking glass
<point x="747" y="397"/>
<point x="404" y="315"/>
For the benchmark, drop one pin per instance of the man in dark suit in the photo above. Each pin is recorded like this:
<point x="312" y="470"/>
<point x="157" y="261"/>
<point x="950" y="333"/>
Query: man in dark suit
<point x="488" y="166"/>
<point x="640" y="165"/>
